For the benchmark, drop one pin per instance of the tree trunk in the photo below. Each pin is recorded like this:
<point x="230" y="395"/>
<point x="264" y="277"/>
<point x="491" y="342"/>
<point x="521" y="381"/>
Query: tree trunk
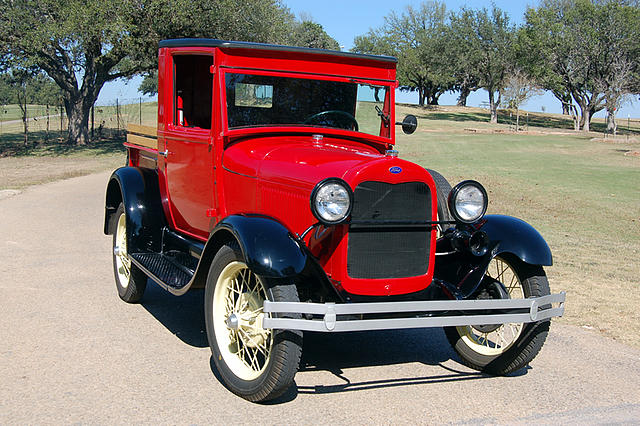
<point x="433" y="99"/>
<point x="573" y="111"/>
<point x="585" y="120"/>
<point x="420" y="96"/>
<point x="612" y="127"/>
<point x="565" y="109"/>
<point x="493" y="107"/>
<point x="78" y="109"/>
<point x="46" y="135"/>
<point x="25" y="122"/>
<point x="462" y="99"/>
<point x="517" y="119"/>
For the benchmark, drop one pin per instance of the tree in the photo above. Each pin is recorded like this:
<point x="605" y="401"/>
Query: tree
<point x="460" y="60"/>
<point x="417" y="38"/>
<point x="305" y="34"/>
<point x="24" y="87"/>
<point x="487" y="38"/>
<point x="82" y="44"/>
<point x="519" y="88"/>
<point x="310" y="34"/>
<point x="580" y="46"/>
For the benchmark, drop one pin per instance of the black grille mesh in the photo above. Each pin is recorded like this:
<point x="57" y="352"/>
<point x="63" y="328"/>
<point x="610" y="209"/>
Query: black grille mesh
<point x="389" y="250"/>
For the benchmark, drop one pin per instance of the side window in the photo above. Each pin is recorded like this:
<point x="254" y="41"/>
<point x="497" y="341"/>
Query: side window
<point x="192" y="94"/>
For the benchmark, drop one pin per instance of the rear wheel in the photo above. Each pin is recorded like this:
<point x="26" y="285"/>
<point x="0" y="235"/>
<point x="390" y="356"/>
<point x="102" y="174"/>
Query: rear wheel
<point x="255" y="363"/>
<point x="130" y="280"/>
<point x="503" y="348"/>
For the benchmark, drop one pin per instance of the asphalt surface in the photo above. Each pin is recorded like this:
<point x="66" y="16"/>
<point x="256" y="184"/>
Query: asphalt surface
<point x="72" y="352"/>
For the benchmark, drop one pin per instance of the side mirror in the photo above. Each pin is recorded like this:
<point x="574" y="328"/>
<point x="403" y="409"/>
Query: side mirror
<point x="409" y="124"/>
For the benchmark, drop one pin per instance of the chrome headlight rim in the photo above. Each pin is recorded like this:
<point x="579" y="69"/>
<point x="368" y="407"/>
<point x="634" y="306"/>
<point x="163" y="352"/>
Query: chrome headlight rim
<point x="314" y="193"/>
<point x="453" y="198"/>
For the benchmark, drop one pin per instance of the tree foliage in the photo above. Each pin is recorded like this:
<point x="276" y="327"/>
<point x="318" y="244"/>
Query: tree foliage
<point x="417" y="37"/>
<point x="305" y="33"/>
<point x="311" y="34"/>
<point x="485" y="40"/>
<point x="584" y="49"/>
<point x="82" y="44"/>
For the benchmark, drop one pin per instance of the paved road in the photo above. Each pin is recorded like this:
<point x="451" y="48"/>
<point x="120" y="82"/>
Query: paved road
<point x="72" y="352"/>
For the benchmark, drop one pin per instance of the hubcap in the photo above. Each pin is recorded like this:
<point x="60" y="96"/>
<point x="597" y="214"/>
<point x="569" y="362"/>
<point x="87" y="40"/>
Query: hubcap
<point x="123" y="263"/>
<point x="492" y="340"/>
<point x="237" y="321"/>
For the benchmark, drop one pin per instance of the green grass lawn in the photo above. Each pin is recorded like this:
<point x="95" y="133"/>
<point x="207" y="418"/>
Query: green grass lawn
<point x="581" y="192"/>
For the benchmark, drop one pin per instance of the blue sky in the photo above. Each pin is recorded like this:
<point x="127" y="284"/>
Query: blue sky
<point x="345" y="19"/>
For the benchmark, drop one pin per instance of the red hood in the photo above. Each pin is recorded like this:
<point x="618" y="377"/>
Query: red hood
<point x="300" y="162"/>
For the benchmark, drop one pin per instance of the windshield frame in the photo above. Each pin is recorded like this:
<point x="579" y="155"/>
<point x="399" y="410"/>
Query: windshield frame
<point x="310" y="128"/>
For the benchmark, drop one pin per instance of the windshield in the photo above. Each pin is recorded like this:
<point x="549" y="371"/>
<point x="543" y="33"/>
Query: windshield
<point x="262" y="100"/>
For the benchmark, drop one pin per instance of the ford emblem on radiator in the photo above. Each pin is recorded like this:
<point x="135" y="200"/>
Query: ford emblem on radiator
<point x="395" y="170"/>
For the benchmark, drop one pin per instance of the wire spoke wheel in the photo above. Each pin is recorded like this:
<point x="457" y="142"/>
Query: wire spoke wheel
<point x="237" y="320"/>
<point x="123" y="263"/>
<point x="131" y="282"/>
<point x="503" y="348"/>
<point x="495" y="340"/>
<point x="256" y="363"/>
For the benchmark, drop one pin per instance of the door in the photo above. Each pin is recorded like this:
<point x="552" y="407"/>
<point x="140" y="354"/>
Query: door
<point x="189" y="146"/>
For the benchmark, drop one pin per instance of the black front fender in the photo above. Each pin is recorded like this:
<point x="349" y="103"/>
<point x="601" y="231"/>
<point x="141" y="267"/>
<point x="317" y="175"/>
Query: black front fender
<point x="517" y="237"/>
<point x="268" y="247"/>
<point x="138" y="191"/>
<point x="461" y="272"/>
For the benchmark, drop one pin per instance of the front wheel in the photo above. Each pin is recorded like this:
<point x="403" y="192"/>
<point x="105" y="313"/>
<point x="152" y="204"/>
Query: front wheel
<point x="255" y="363"/>
<point x="504" y="348"/>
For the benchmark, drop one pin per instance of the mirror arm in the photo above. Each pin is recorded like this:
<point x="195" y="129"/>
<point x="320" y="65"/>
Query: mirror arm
<point x="383" y="116"/>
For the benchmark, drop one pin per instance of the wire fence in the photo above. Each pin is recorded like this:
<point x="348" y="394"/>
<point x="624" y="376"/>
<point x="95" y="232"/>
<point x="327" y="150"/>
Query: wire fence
<point x="111" y="120"/>
<point x="51" y="121"/>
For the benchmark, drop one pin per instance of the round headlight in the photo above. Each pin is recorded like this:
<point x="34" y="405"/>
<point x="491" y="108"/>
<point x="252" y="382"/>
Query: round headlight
<point x="331" y="201"/>
<point x="468" y="201"/>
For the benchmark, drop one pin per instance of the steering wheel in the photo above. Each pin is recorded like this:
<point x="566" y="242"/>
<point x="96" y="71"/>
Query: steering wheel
<point x="340" y="116"/>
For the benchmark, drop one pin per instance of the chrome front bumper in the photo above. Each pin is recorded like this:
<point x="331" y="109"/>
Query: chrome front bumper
<point x="423" y="313"/>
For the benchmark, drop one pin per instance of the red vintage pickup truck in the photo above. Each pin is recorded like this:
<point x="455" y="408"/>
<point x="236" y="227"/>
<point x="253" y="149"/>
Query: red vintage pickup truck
<point x="271" y="182"/>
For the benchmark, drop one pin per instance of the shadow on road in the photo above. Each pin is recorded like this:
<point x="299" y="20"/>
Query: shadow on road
<point x="183" y="316"/>
<point x="331" y="352"/>
<point x="326" y="351"/>
<point x="335" y="352"/>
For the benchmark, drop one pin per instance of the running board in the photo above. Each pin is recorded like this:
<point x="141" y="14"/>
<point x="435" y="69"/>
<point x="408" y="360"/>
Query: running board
<point x="172" y="271"/>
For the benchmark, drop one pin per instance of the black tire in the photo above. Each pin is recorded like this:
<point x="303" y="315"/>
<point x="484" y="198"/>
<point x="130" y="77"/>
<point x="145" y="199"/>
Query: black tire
<point x="528" y="343"/>
<point x="443" y="189"/>
<point x="272" y="374"/>
<point x="130" y="280"/>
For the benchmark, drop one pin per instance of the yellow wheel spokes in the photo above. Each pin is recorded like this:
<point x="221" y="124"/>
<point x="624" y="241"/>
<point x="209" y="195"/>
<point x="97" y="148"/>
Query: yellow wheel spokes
<point x="123" y="263"/>
<point x="237" y="316"/>
<point x="503" y="337"/>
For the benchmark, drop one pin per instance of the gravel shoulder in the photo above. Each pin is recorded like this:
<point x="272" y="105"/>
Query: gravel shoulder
<point x="72" y="352"/>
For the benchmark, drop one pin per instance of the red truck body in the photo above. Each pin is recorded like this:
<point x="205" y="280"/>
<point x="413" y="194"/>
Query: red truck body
<point x="272" y="182"/>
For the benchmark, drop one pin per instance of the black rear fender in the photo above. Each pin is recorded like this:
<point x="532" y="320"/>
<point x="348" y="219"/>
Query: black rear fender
<point x="137" y="189"/>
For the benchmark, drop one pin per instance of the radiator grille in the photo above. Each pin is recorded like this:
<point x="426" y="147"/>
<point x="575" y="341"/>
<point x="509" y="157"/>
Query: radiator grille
<point x="379" y="245"/>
